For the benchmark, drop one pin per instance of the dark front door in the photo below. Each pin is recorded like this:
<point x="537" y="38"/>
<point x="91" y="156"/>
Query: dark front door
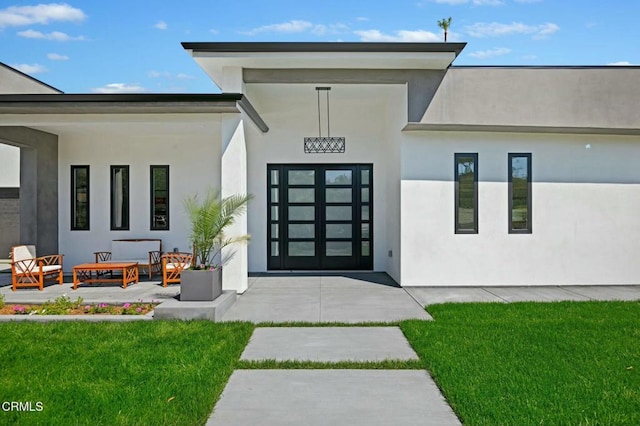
<point x="320" y="216"/>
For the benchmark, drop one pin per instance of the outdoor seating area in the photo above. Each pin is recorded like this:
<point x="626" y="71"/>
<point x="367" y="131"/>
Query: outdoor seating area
<point x="122" y="264"/>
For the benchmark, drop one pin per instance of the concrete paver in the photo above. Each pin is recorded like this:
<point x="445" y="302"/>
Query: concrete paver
<point x="434" y="295"/>
<point x="384" y="304"/>
<point x="332" y="397"/>
<point x="607" y="292"/>
<point x="328" y="344"/>
<point x="535" y="294"/>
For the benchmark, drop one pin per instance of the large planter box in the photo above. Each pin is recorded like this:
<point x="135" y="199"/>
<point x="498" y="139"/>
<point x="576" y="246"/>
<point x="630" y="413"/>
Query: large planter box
<point x="200" y="286"/>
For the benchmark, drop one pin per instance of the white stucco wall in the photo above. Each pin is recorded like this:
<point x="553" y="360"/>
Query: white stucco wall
<point x="189" y="144"/>
<point x="585" y="211"/>
<point x="358" y="112"/>
<point x="9" y="166"/>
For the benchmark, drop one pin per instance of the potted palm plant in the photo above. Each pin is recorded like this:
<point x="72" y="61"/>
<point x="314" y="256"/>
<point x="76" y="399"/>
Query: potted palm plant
<point x="210" y="218"/>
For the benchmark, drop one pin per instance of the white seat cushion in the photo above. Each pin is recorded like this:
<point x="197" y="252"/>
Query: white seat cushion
<point x="23" y="253"/>
<point x="50" y="268"/>
<point x="172" y="266"/>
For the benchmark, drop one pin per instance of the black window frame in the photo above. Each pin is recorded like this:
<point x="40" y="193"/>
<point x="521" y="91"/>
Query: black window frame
<point x="529" y="229"/>
<point x="152" y="195"/>
<point x="126" y="202"/>
<point x="456" y="159"/>
<point x="74" y="198"/>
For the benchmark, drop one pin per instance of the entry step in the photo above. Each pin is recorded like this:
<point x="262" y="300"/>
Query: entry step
<point x="328" y="344"/>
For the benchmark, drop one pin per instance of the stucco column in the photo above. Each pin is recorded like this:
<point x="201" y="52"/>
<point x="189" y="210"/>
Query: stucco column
<point x="234" y="181"/>
<point x="38" y="186"/>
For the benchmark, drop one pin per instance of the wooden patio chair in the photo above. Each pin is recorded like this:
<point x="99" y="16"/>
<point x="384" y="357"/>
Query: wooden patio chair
<point x="28" y="270"/>
<point x="172" y="266"/>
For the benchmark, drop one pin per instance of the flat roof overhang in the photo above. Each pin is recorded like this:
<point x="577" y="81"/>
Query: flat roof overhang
<point x="148" y="103"/>
<point x="214" y="57"/>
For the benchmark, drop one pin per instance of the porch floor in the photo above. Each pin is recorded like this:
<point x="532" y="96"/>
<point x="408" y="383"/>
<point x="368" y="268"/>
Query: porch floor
<point x="349" y="297"/>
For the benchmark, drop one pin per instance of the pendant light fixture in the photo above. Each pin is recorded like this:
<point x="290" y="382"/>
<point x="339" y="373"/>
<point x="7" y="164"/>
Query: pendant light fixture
<point x="324" y="144"/>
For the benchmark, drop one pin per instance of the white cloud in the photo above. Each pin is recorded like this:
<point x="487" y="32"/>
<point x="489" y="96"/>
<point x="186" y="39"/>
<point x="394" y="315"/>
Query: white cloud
<point x="298" y="26"/>
<point x="530" y="57"/>
<point x="16" y="16"/>
<point x="417" y="36"/>
<point x="490" y="53"/>
<point x="169" y="76"/>
<point x="496" y="29"/>
<point x="161" y="25"/>
<point x="214" y="31"/>
<point x="362" y="19"/>
<point x="294" y="26"/>
<point x="527" y="1"/>
<point x="321" y="29"/>
<point x="30" y="68"/>
<point x="57" y="57"/>
<point x="621" y="63"/>
<point x="119" y="88"/>
<point x="55" y="35"/>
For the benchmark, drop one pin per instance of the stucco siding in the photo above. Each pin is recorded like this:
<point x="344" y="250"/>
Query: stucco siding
<point x="602" y="97"/>
<point x="190" y="146"/>
<point x="585" y="204"/>
<point x="13" y="81"/>
<point x="358" y="112"/>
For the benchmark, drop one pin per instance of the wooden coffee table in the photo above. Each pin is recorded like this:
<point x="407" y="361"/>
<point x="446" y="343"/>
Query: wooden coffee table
<point x="84" y="273"/>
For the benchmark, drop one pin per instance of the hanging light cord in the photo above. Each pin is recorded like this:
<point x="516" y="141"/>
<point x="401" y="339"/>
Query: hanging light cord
<point x="319" y="125"/>
<point x="328" y="127"/>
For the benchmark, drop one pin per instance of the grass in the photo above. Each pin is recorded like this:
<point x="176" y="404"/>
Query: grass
<point x="387" y="364"/>
<point x="148" y="372"/>
<point x="573" y="363"/>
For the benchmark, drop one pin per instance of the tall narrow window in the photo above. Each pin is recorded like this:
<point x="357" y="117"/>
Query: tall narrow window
<point x="520" y="194"/>
<point x="466" y="193"/>
<point x="159" y="198"/>
<point x="79" y="198"/>
<point x="119" y="198"/>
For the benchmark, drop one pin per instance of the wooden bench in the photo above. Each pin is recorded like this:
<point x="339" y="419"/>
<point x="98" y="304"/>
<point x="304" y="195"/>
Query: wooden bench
<point x="146" y="252"/>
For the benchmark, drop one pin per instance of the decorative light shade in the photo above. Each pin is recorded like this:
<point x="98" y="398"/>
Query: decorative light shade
<point x="324" y="144"/>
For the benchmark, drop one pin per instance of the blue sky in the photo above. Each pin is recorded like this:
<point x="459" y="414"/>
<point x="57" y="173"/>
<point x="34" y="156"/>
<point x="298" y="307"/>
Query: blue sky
<point x="117" y="46"/>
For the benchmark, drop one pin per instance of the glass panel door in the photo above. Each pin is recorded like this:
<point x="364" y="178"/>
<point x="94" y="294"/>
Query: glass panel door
<point x="300" y="218"/>
<point x="319" y="217"/>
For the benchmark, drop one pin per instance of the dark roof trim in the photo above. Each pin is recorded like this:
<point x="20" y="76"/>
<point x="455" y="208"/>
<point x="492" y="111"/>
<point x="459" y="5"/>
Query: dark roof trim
<point x="145" y="103"/>
<point x="30" y="78"/>
<point x="247" y="47"/>
<point x="545" y="67"/>
<point x="9" y="193"/>
<point x="520" y="129"/>
<point x="253" y="114"/>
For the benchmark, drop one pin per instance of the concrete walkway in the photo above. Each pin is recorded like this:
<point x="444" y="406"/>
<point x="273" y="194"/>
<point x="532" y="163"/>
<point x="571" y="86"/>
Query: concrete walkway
<point x="433" y="295"/>
<point x="326" y="297"/>
<point x="325" y="397"/>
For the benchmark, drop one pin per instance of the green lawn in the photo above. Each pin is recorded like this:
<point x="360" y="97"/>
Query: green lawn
<point x="147" y="372"/>
<point x="570" y="363"/>
<point x="497" y="364"/>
